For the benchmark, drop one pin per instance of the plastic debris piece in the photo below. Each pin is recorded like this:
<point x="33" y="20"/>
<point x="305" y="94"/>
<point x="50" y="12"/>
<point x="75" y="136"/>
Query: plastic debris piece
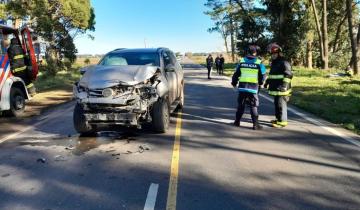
<point x="41" y="160"/>
<point x="59" y="158"/>
<point x="5" y="175"/>
<point x="71" y="147"/>
<point x="117" y="154"/>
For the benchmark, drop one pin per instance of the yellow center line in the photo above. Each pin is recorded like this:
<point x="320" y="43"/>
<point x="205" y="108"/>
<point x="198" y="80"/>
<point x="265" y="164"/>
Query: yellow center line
<point x="174" y="173"/>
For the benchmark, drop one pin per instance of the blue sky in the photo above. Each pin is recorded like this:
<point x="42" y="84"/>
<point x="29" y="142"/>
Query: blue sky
<point x="177" y="24"/>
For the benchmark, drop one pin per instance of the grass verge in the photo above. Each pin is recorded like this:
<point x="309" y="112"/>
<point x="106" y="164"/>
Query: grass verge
<point x="336" y="99"/>
<point x="61" y="81"/>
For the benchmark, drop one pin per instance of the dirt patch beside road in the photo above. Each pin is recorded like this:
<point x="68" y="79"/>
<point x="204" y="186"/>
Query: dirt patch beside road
<point x="45" y="100"/>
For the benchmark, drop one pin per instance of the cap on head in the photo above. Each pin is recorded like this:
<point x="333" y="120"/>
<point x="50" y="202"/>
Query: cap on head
<point x="253" y="49"/>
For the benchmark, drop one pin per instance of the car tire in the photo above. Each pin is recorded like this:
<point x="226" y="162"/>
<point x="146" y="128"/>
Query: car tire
<point x="17" y="103"/>
<point x="160" y="116"/>
<point x="80" y="123"/>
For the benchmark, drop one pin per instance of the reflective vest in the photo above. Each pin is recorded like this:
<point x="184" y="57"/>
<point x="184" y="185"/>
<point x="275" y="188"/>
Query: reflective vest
<point x="249" y="71"/>
<point x="285" y="80"/>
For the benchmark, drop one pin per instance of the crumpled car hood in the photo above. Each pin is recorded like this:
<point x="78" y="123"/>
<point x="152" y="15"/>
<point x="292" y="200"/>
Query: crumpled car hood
<point x="99" y="77"/>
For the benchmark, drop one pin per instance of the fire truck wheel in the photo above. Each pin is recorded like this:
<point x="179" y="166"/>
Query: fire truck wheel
<point x="80" y="123"/>
<point x="17" y="103"/>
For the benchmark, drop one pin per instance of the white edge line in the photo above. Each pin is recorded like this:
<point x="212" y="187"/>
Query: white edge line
<point x="316" y="122"/>
<point x="151" y="197"/>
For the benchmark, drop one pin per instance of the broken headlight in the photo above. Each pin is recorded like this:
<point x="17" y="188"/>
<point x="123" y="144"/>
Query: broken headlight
<point x="107" y="92"/>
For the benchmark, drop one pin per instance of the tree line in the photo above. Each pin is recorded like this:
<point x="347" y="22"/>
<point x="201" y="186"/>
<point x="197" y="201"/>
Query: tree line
<point x="57" y="22"/>
<point x="322" y="34"/>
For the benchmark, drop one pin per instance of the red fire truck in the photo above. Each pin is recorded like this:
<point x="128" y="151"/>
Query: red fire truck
<point x="13" y="91"/>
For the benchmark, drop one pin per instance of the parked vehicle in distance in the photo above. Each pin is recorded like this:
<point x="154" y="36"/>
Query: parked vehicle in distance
<point x="129" y="87"/>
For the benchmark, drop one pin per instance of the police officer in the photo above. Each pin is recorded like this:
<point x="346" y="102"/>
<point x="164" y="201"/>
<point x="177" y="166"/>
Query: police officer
<point x="249" y="74"/>
<point x="18" y="64"/>
<point x="279" y="84"/>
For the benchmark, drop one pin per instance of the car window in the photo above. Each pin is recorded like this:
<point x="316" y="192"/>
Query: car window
<point x="130" y="58"/>
<point x="167" y="58"/>
<point x="173" y="58"/>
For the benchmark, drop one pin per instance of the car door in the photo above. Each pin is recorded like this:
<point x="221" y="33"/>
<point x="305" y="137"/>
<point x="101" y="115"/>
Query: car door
<point x="179" y="75"/>
<point x="169" y="67"/>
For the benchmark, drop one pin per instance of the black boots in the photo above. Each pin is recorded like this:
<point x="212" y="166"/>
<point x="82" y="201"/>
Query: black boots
<point x="256" y="125"/>
<point x="236" y="123"/>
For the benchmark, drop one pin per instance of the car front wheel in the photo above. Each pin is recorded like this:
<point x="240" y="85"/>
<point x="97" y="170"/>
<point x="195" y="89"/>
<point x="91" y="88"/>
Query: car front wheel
<point x="80" y="123"/>
<point x="160" y="116"/>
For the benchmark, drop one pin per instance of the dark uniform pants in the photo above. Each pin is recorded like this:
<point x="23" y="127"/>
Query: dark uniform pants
<point x="250" y="99"/>
<point x="280" y="103"/>
<point x="217" y="68"/>
<point x="209" y="71"/>
<point x="221" y="69"/>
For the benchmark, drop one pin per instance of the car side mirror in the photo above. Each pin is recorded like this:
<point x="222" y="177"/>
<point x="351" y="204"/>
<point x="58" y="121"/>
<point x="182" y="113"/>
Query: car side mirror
<point x="170" y="68"/>
<point x="82" y="71"/>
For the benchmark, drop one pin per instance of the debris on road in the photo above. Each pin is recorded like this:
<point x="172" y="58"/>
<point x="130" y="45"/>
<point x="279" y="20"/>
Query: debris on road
<point x="112" y="150"/>
<point x="41" y="160"/>
<point x="117" y="154"/>
<point x="5" y="175"/>
<point x="59" y="158"/>
<point x="142" y="148"/>
<point x="71" y="147"/>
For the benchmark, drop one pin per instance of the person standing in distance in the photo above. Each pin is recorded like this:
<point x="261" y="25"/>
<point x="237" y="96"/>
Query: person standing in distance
<point x="221" y="64"/>
<point x="209" y="64"/>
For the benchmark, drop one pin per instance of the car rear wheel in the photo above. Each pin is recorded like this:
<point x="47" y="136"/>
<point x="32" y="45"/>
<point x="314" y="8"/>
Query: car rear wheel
<point x="81" y="125"/>
<point x="17" y="103"/>
<point x="160" y="116"/>
<point x="181" y="99"/>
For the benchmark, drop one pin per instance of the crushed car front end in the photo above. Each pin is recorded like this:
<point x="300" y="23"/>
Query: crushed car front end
<point x="122" y="104"/>
<point x="126" y="100"/>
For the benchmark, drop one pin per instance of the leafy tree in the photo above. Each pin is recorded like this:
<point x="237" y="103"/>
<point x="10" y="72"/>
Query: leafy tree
<point x="87" y="61"/>
<point x="219" y="15"/>
<point x="58" y="22"/>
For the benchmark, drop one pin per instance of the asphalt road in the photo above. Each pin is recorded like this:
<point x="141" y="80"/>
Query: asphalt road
<point x="44" y="164"/>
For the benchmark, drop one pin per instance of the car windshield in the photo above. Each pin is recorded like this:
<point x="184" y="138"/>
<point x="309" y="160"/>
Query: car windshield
<point x="130" y="58"/>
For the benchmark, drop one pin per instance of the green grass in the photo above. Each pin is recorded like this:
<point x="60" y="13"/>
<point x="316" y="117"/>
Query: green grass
<point x="62" y="80"/>
<point x="335" y="99"/>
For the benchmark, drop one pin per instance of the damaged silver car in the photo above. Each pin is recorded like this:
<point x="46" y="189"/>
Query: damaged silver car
<point x="129" y="87"/>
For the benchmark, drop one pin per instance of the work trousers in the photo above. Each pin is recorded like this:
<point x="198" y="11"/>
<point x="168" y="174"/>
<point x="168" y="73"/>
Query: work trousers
<point x="221" y="69"/>
<point x="250" y="99"/>
<point x="280" y="103"/>
<point x="209" y="71"/>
